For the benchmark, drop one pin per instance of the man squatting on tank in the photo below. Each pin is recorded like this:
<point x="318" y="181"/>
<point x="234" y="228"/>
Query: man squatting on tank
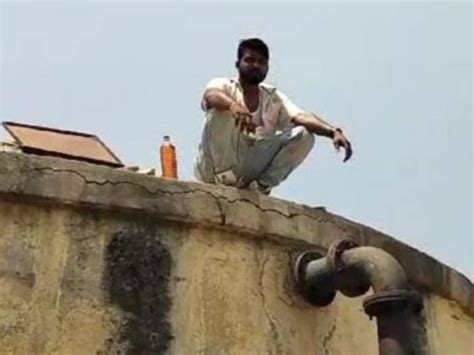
<point x="255" y="136"/>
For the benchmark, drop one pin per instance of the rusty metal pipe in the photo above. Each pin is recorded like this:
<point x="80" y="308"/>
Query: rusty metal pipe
<point x="395" y="333"/>
<point x="381" y="270"/>
<point x="353" y="270"/>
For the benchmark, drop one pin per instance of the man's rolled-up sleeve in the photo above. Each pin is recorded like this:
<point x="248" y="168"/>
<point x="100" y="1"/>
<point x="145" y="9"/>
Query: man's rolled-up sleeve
<point x="288" y="111"/>
<point x="216" y="83"/>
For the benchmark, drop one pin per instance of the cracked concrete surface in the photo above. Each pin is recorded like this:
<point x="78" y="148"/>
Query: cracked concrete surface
<point x="82" y="184"/>
<point x="230" y="277"/>
<point x="158" y="191"/>
<point x="274" y="343"/>
<point x="231" y="303"/>
<point x="327" y="338"/>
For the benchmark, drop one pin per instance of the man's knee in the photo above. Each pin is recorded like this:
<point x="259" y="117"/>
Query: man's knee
<point x="305" y="140"/>
<point x="309" y="138"/>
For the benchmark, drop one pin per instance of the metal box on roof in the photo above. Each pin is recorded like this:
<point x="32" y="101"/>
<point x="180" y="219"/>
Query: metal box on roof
<point x="67" y="144"/>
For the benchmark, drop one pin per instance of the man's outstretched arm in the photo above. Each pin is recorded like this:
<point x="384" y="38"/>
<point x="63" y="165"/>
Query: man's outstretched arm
<point x="320" y="127"/>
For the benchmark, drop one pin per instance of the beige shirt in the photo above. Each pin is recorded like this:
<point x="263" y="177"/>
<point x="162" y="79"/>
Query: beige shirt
<point x="275" y="111"/>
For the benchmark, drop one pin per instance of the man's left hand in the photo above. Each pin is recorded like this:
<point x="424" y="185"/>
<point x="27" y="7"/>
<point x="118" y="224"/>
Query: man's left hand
<point x="340" y="141"/>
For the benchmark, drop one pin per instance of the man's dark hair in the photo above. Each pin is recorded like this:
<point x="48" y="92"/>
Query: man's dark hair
<point x="255" y="44"/>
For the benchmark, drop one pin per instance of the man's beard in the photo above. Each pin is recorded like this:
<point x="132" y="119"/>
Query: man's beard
<point x="253" y="77"/>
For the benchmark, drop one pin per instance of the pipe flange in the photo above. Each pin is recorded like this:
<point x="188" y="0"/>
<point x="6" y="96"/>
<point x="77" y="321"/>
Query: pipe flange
<point x="299" y="266"/>
<point x="335" y="252"/>
<point x="388" y="301"/>
<point x="309" y="294"/>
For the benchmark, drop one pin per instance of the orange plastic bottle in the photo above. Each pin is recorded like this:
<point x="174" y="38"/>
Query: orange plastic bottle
<point x="169" y="164"/>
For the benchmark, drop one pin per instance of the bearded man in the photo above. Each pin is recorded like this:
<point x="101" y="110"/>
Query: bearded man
<point x="255" y="136"/>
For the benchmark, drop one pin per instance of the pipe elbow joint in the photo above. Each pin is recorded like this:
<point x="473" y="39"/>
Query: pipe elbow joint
<point x="353" y="270"/>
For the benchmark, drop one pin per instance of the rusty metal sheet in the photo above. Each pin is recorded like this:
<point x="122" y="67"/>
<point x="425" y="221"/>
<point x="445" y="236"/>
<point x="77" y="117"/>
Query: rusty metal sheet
<point x="66" y="144"/>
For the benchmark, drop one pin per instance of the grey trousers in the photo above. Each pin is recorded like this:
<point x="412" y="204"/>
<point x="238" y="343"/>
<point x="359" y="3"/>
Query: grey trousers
<point x="230" y="157"/>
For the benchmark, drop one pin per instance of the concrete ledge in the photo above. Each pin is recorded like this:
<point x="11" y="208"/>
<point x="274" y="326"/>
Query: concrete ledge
<point x="52" y="180"/>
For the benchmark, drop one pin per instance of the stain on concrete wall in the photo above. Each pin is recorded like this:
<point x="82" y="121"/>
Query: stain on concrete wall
<point x="137" y="274"/>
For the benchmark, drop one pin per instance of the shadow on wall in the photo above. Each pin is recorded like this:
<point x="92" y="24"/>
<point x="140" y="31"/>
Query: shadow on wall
<point x="136" y="279"/>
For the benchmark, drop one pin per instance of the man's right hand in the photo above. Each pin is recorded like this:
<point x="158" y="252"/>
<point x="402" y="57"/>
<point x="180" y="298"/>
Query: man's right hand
<point x="216" y="98"/>
<point x="242" y="117"/>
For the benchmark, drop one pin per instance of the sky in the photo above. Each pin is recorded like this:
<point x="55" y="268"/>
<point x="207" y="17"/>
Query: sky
<point x="396" y="76"/>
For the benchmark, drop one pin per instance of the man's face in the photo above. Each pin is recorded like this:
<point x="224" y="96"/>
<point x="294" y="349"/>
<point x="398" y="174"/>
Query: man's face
<point x="253" y="67"/>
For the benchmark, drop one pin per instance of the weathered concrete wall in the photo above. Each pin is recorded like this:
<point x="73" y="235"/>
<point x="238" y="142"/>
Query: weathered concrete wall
<point x="81" y="282"/>
<point x="98" y="261"/>
<point x="236" y="297"/>
<point x="449" y="330"/>
<point x="51" y="282"/>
